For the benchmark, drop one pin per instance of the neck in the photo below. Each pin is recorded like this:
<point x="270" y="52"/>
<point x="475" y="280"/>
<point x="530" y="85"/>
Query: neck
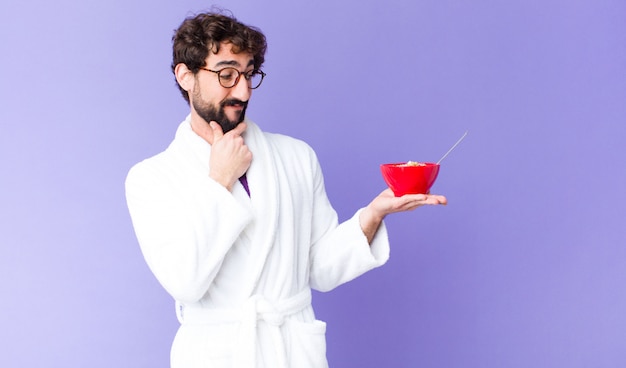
<point x="201" y="127"/>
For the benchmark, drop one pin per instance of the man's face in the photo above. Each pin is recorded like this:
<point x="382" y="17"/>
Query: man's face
<point x="211" y="101"/>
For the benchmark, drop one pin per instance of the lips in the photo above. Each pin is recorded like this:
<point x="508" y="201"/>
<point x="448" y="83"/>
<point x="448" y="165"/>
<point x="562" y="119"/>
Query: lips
<point x="235" y="103"/>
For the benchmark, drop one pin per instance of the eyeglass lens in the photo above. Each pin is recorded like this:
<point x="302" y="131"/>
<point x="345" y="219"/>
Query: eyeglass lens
<point x="230" y="76"/>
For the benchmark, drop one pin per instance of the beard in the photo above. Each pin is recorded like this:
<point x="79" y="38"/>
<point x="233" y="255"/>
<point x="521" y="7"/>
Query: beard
<point x="210" y="113"/>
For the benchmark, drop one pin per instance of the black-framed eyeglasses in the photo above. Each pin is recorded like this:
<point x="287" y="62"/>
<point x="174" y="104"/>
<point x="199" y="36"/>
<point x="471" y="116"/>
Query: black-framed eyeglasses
<point x="229" y="77"/>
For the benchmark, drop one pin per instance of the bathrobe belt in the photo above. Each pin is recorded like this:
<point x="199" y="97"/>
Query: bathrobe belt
<point x="256" y="308"/>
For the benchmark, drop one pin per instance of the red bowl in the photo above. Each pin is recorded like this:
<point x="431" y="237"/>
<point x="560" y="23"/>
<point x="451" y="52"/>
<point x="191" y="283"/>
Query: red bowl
<point x="407" y="179"/>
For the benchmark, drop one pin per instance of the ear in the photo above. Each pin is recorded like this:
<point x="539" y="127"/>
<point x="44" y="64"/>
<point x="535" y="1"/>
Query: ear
<point x="184" y="77"/>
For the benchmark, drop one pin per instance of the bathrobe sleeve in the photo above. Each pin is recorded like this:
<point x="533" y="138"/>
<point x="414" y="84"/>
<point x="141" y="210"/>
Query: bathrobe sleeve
<point x="185" y="224"/>
<point x="340" y="252"/>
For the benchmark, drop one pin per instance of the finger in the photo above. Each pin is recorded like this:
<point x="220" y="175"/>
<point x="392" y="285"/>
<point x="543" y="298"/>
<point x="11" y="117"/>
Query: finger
<point x="239" y="129"/>
<point x="443" y="200"/>
<point x="387" y="192"/>
<point x="411" y="203"/>
<point x="218" y="133"/>
<point x="411" y="206"/>
<point x="436" y="199"/>
<point x="414" y="197"/>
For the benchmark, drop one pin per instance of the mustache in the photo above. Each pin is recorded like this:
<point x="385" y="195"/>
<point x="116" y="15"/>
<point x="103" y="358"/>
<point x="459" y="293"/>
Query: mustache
<point x="234" y="102"/>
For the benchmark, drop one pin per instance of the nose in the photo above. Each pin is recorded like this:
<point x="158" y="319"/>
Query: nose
<point x="240" y="90"/>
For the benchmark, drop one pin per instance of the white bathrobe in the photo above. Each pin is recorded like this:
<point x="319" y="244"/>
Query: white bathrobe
<point x="240" y="268"/>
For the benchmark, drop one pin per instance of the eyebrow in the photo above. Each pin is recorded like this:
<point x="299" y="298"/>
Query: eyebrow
<point x="233" y="63"/>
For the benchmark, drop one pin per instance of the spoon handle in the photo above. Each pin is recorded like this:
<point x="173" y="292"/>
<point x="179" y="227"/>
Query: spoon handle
<point x="450" y="150"/>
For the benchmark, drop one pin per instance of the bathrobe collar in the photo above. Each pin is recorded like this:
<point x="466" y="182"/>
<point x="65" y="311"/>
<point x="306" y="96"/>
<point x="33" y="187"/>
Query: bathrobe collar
<point x="264" y="187"/>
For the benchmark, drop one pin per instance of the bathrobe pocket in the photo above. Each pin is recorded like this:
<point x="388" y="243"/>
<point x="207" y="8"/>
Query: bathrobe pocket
<point x="307" y="348"/>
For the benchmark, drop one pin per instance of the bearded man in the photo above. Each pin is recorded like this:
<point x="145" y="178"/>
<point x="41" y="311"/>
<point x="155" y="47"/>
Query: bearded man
<point x="235" y="223"/>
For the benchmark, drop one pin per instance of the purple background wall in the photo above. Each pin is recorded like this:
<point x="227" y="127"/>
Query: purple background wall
<point x="526" y="267"/>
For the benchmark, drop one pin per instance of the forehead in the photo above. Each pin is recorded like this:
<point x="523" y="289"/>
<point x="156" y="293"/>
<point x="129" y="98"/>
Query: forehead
<point x="226" y="57"/>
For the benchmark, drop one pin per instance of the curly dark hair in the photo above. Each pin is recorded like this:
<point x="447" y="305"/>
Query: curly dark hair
<point x="199" y="34"/>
